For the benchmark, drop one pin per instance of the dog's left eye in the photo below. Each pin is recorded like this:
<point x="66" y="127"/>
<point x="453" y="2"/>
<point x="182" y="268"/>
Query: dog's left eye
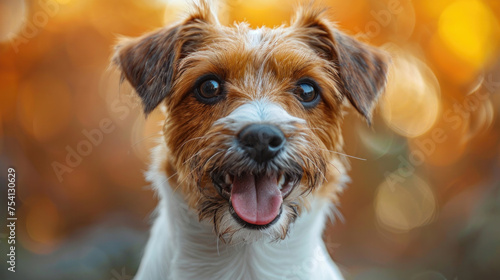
<point x="307" y="93"/>
<point x="208" y="90"/>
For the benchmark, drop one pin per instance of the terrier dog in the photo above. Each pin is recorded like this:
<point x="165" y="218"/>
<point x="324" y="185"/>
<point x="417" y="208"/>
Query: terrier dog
<point x="250" y="160"/>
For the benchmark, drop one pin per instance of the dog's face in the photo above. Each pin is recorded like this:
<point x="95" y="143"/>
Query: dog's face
<point x="253" y="116"/>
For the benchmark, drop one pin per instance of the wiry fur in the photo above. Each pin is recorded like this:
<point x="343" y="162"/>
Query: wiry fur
<point x="183" y="247"/>
<point x="196" y="235"/>
<point x="224" y="155"/>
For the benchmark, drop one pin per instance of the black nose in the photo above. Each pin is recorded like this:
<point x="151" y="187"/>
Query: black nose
<point x="262" y="142"/>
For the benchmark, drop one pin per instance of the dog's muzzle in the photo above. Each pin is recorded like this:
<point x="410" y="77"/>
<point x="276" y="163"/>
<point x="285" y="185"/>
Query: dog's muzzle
<point x="256" y="196"/>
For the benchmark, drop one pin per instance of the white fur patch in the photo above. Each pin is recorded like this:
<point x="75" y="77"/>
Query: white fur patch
<point x="254" y="37"/>
<point x="260" y="111"/>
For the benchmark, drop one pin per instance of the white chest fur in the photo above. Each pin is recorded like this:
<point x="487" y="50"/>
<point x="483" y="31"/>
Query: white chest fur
<point x="180" y="247"/>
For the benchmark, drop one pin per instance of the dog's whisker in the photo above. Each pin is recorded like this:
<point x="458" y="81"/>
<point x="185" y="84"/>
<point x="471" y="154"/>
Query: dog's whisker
<point x="183" y="180"/>
<point x="346" y="155"/>
<point x="195" y="155"/>
<point x="143" y="139"/>
<point x="198" y="138"/>
<point x="198" y="166"/>
<point x="335" y="152"/>
<point x="317" y="168"/>
<point x="167" y="179"/>
<point x="331" y="163"/>
<point x="215" y="226"/>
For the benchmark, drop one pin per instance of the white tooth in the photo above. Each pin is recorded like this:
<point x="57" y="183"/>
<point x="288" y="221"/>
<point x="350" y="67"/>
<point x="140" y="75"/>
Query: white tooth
<point x="228" y="179"/>
<point x="281" y="181"/>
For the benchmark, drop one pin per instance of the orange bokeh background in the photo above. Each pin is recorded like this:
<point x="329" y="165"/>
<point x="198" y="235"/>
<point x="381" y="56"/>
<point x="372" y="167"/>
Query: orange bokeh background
<point x="425" y="204"/>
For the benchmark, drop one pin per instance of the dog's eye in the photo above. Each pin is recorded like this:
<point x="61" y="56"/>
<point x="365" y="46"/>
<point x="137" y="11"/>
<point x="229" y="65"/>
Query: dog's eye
<point x="208" y="90"/>
<point x="307" y="93"/>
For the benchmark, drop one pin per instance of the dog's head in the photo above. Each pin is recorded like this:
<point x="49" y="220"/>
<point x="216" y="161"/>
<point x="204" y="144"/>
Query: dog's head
<point x="253" y="116"/>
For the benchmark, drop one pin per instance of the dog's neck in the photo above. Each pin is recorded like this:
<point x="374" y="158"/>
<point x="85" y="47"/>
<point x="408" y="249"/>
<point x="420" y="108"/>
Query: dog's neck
<point x="182" y="247"/>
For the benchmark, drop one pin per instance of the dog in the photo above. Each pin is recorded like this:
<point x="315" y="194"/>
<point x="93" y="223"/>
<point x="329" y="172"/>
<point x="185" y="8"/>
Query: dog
<point x="250" y="162"/>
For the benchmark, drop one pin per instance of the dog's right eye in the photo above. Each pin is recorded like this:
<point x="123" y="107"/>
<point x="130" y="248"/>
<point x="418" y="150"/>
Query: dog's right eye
<point x="208" y="90"/>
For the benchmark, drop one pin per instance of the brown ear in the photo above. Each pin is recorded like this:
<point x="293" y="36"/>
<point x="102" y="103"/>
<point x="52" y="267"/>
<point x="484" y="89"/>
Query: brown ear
<point x="363" y="72"/>
<point x="150" y="62"/>
<point x="361" y="69"/>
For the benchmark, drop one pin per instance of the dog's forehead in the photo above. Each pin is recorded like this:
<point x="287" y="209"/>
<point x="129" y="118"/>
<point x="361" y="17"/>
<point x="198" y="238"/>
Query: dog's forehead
<point x="242" y="51"/>
<point x="264" y="40"/>
<point x="253" y="63"/>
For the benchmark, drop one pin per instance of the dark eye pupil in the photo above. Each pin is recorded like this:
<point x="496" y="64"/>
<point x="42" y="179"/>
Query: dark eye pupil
<point x="209" y="89"/>
<point x="306" y="92"/>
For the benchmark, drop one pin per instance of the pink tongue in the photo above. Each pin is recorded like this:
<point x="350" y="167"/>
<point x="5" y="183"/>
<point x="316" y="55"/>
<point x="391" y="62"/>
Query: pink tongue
<point x="256" y="199"/>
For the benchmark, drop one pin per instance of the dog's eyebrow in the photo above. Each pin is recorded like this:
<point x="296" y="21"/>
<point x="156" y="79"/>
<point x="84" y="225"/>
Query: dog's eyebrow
<point x="294" y="63"/>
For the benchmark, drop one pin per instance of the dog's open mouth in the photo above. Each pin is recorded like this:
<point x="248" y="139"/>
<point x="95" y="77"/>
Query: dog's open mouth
<point x="256" y="199"/>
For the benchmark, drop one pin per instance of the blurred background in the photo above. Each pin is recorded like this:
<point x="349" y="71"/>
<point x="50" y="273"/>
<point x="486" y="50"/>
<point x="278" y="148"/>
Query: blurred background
<point x="425" y="204"/>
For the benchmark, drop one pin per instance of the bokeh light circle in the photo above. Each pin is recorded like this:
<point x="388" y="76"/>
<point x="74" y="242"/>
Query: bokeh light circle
<point x="404" y="203"/>
<point x="12" y="18"/>
<point x="467" y="27"/>
<point x="410" y="105"/>
<point x="42" y="224"/>
<point x="481" y="120"/>
<point x="379" y="139"/>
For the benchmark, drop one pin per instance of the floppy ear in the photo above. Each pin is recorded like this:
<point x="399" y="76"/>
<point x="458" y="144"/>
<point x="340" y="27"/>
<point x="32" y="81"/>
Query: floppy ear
<point x="150" y="62"/>
<point x="363" y="72"/>
<point x="361" y="69"/>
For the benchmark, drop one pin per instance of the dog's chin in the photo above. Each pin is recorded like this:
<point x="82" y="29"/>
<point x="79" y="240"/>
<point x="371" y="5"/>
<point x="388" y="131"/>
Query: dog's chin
<point x="257" y="204"/>
<point x="231" y="229"/>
